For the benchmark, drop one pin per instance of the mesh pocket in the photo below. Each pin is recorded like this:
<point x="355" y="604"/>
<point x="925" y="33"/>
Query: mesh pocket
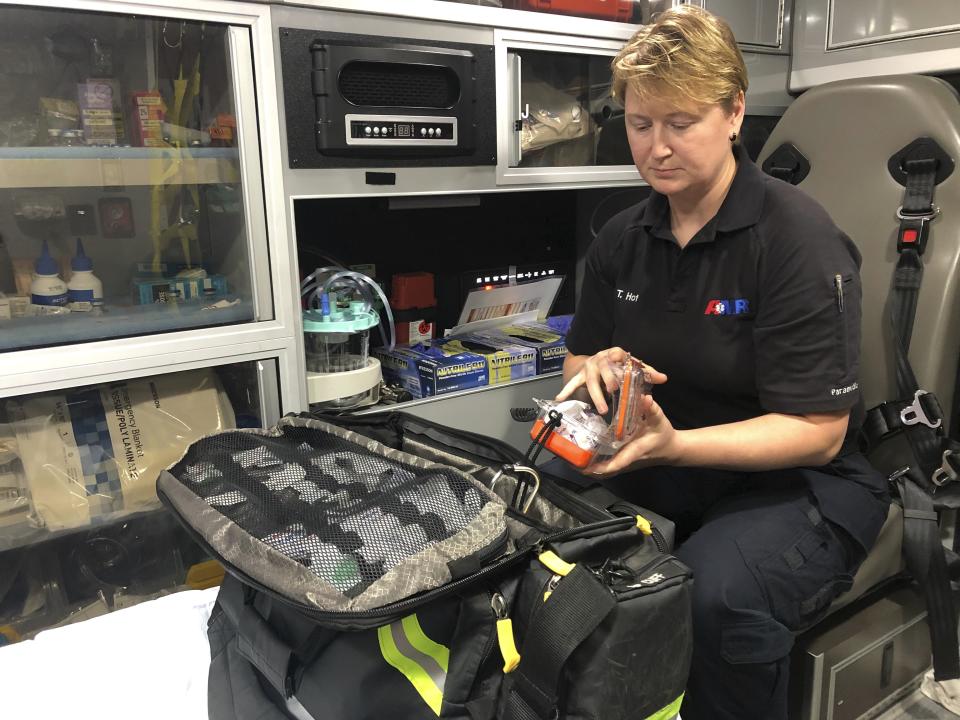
<point x="346" y="514"/>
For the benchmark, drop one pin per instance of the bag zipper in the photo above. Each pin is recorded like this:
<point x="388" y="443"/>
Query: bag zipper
<point x="393" y="611"/>
<point x="646" y="572"/>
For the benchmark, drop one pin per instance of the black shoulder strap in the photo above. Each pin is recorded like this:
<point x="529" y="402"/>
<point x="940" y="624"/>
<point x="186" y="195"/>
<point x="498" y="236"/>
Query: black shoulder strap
<point x="920" y="166"/>
<point x="575" y="609"/>
<point x="926" y="562"/>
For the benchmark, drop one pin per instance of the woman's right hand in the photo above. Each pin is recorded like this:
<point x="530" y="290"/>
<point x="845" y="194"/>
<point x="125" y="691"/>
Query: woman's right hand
<point x="596" y="374"/>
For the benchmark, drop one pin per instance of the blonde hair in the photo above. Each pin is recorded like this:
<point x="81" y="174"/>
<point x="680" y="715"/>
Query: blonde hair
<point x="686" y="54"/>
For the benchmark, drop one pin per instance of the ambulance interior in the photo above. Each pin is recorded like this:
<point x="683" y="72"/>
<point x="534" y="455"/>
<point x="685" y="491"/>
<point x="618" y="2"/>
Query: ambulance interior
<point x="843" y="96"/>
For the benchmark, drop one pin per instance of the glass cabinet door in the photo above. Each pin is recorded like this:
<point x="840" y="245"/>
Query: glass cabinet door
<point x="81" y="529"/>
<point x="564" y="123"/>
<point x="130" y="191"/>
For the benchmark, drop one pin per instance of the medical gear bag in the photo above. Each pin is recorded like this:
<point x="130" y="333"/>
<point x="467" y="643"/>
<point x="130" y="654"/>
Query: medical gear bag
<point x="388" y="566"/>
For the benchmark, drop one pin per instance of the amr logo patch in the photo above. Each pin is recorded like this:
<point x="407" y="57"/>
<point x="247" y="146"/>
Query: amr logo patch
<point x="737" y="306"/>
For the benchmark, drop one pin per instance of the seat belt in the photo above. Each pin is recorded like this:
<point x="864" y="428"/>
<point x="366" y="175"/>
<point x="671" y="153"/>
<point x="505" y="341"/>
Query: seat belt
<point x="920" y="419"/>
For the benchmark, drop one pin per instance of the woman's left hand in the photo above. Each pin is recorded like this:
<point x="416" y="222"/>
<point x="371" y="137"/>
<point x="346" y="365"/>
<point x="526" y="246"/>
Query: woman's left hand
<point x="656" y="443"/>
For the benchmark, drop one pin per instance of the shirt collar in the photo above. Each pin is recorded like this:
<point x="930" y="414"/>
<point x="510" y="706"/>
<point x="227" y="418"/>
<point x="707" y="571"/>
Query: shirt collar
<point x="741" y="207"/>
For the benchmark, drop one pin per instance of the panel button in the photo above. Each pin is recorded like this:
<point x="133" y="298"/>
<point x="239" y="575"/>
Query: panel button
<point x="367" y="130"/>
<point x="383" y="130"/>
<point x="430" y="132"/>
<point x="438" y="132"/>
<point x="423" y="132"/>
<point x="376" y="131"/>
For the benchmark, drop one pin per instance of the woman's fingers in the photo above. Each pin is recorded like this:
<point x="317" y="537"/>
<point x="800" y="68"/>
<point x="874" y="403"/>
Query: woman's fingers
<point x="654" y="376"/>
<point x="596" y="392"/>
<point x="571" y="387"/>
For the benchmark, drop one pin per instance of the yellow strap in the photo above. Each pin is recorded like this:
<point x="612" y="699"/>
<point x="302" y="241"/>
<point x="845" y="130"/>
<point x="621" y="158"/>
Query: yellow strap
<point x="425" y="685"/>
<point x="9" y="633"/>
<point x="669" y="712"/>
<point x="555" y="564"/>
<point x="644" y="526"/>
<point x="204" y="575"/>
<point x="508" y="648"/>
<point x="419" y="639"/>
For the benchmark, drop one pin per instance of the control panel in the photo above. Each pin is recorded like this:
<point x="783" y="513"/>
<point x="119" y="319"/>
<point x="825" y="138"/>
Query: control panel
<point x="397" y="130"/>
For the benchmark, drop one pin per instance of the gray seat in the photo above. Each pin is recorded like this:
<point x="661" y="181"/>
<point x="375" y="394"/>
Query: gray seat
<point x="847" y="131"/>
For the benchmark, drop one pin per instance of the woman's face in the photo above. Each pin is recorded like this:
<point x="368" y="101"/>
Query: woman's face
<point x="680" y="150"/>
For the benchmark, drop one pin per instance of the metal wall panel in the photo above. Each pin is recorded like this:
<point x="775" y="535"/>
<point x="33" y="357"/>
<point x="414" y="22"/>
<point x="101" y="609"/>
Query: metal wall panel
<point x="843" y="39"/>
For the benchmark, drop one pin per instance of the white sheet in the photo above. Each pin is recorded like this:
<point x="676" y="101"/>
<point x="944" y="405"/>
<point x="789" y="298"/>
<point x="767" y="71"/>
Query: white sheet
<point x="147" y="662"/>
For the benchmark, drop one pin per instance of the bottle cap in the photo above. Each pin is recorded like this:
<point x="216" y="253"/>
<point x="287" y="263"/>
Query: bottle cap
<point x="45" y="264"/>
<point x="80" y="261"/>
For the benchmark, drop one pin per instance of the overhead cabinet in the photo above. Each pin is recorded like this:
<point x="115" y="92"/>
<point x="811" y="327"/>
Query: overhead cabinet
<point x="841" y="39"/>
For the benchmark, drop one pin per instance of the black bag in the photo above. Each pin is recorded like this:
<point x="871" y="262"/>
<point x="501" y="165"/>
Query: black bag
<point x="377" y="568"/>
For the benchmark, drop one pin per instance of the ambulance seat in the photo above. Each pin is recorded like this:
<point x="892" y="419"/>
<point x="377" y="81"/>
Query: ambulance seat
<point x="847" y="131"/>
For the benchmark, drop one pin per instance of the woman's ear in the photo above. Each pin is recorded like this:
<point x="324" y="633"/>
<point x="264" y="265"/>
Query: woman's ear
<point x="737" y="111"/>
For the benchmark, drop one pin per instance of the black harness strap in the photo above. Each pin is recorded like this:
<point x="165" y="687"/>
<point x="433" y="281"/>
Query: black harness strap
<point x="919" y="417"/>
<point x="575" y="609"/>
<point x="927" y="564"/>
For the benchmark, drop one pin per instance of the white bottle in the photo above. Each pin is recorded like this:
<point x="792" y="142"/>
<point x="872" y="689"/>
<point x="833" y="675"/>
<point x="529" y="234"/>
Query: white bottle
<point x="85" y="291"/>
<point x="47" y="287"/>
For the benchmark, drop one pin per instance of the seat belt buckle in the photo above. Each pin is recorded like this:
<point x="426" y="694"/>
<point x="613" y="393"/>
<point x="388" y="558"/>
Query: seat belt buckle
<point x="914" y="414"/>
<point x="914" y="229"/>
<point x="947" y="472"/>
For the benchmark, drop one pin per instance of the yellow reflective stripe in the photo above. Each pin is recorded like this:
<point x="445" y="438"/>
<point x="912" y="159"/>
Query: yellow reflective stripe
<point x="669" y="712"/>
<point x="421" y="680"/>
<point x="421" y="642"/>
<point x="555" y="563"/>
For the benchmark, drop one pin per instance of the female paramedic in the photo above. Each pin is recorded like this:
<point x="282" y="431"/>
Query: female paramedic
<point x="745" y="297"/>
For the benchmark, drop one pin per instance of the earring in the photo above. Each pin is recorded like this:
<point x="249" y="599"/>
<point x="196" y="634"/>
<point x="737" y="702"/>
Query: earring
<point x="733" y="136"/>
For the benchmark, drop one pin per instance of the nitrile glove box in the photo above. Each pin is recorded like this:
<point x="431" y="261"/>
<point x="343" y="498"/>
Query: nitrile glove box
<point x="550" y="344"/>
<point x="506" y="360"/>
<point x="425" y="371"/>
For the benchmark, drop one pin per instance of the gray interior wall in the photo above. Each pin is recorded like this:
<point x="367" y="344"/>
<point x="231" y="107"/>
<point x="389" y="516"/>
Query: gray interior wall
<point x="841" y="39"/>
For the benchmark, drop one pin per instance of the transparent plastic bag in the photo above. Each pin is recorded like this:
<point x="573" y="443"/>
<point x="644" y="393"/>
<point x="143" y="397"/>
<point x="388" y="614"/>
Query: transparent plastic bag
<point x="92" y="453"/>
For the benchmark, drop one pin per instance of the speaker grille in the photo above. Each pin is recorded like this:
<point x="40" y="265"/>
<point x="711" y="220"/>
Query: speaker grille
<point x="402" y="85"/>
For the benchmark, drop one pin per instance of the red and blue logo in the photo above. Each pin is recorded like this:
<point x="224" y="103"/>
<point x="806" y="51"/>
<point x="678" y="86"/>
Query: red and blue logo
<point x="736" y="306"/>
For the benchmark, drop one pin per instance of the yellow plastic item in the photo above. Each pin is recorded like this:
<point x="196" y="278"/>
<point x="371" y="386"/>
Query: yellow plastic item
<point x="508" y="648"/>
<point x="205" y="575"/>
<point x="644" y="526"/>
<point x="555" y="563"/>
<point x="9" y="633"/>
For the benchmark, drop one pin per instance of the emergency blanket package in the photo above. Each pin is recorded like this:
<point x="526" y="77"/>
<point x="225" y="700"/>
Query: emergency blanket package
<point x="382" y="567"/>
<point x="85" y="454"/>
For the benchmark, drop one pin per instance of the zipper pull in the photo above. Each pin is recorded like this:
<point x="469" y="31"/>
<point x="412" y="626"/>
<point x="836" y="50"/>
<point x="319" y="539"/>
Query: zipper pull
<point x="838" y="283"/>
<point x="551" y="586"/>
<point x="508" y="646"/>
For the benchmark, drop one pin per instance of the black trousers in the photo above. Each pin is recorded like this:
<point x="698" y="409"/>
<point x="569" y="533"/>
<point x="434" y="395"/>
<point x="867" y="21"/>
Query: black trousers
<point x="766" y="565"/>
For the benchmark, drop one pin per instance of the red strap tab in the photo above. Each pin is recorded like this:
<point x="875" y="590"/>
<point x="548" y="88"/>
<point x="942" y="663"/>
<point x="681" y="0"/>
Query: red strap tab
<point x="909" y="236"/>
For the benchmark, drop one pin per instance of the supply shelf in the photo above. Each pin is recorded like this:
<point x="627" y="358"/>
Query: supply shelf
<point x="74" y="167"/>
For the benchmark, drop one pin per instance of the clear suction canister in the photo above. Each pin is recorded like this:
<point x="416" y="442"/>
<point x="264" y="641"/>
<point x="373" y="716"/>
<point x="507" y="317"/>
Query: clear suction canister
<point x="340" y="340"/>
<point x="337" y="318"/>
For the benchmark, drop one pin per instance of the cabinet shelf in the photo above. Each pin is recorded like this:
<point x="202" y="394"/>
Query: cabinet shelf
<point x="57" y="167"/>
<point x="118" y="320"/>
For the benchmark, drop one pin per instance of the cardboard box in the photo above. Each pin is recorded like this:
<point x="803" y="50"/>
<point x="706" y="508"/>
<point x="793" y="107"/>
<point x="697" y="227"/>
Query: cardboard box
<point x="98" y="111"/>
<point x="549" y="344"/>
<point x="506" y="361"/>
<point x="425" y="371"/>
<point x="147" y="118"/>
<point x="150" y="290"/>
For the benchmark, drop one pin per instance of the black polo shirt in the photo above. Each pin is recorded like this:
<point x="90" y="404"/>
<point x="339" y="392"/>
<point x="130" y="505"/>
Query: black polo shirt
<point x="759" y="313"/>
